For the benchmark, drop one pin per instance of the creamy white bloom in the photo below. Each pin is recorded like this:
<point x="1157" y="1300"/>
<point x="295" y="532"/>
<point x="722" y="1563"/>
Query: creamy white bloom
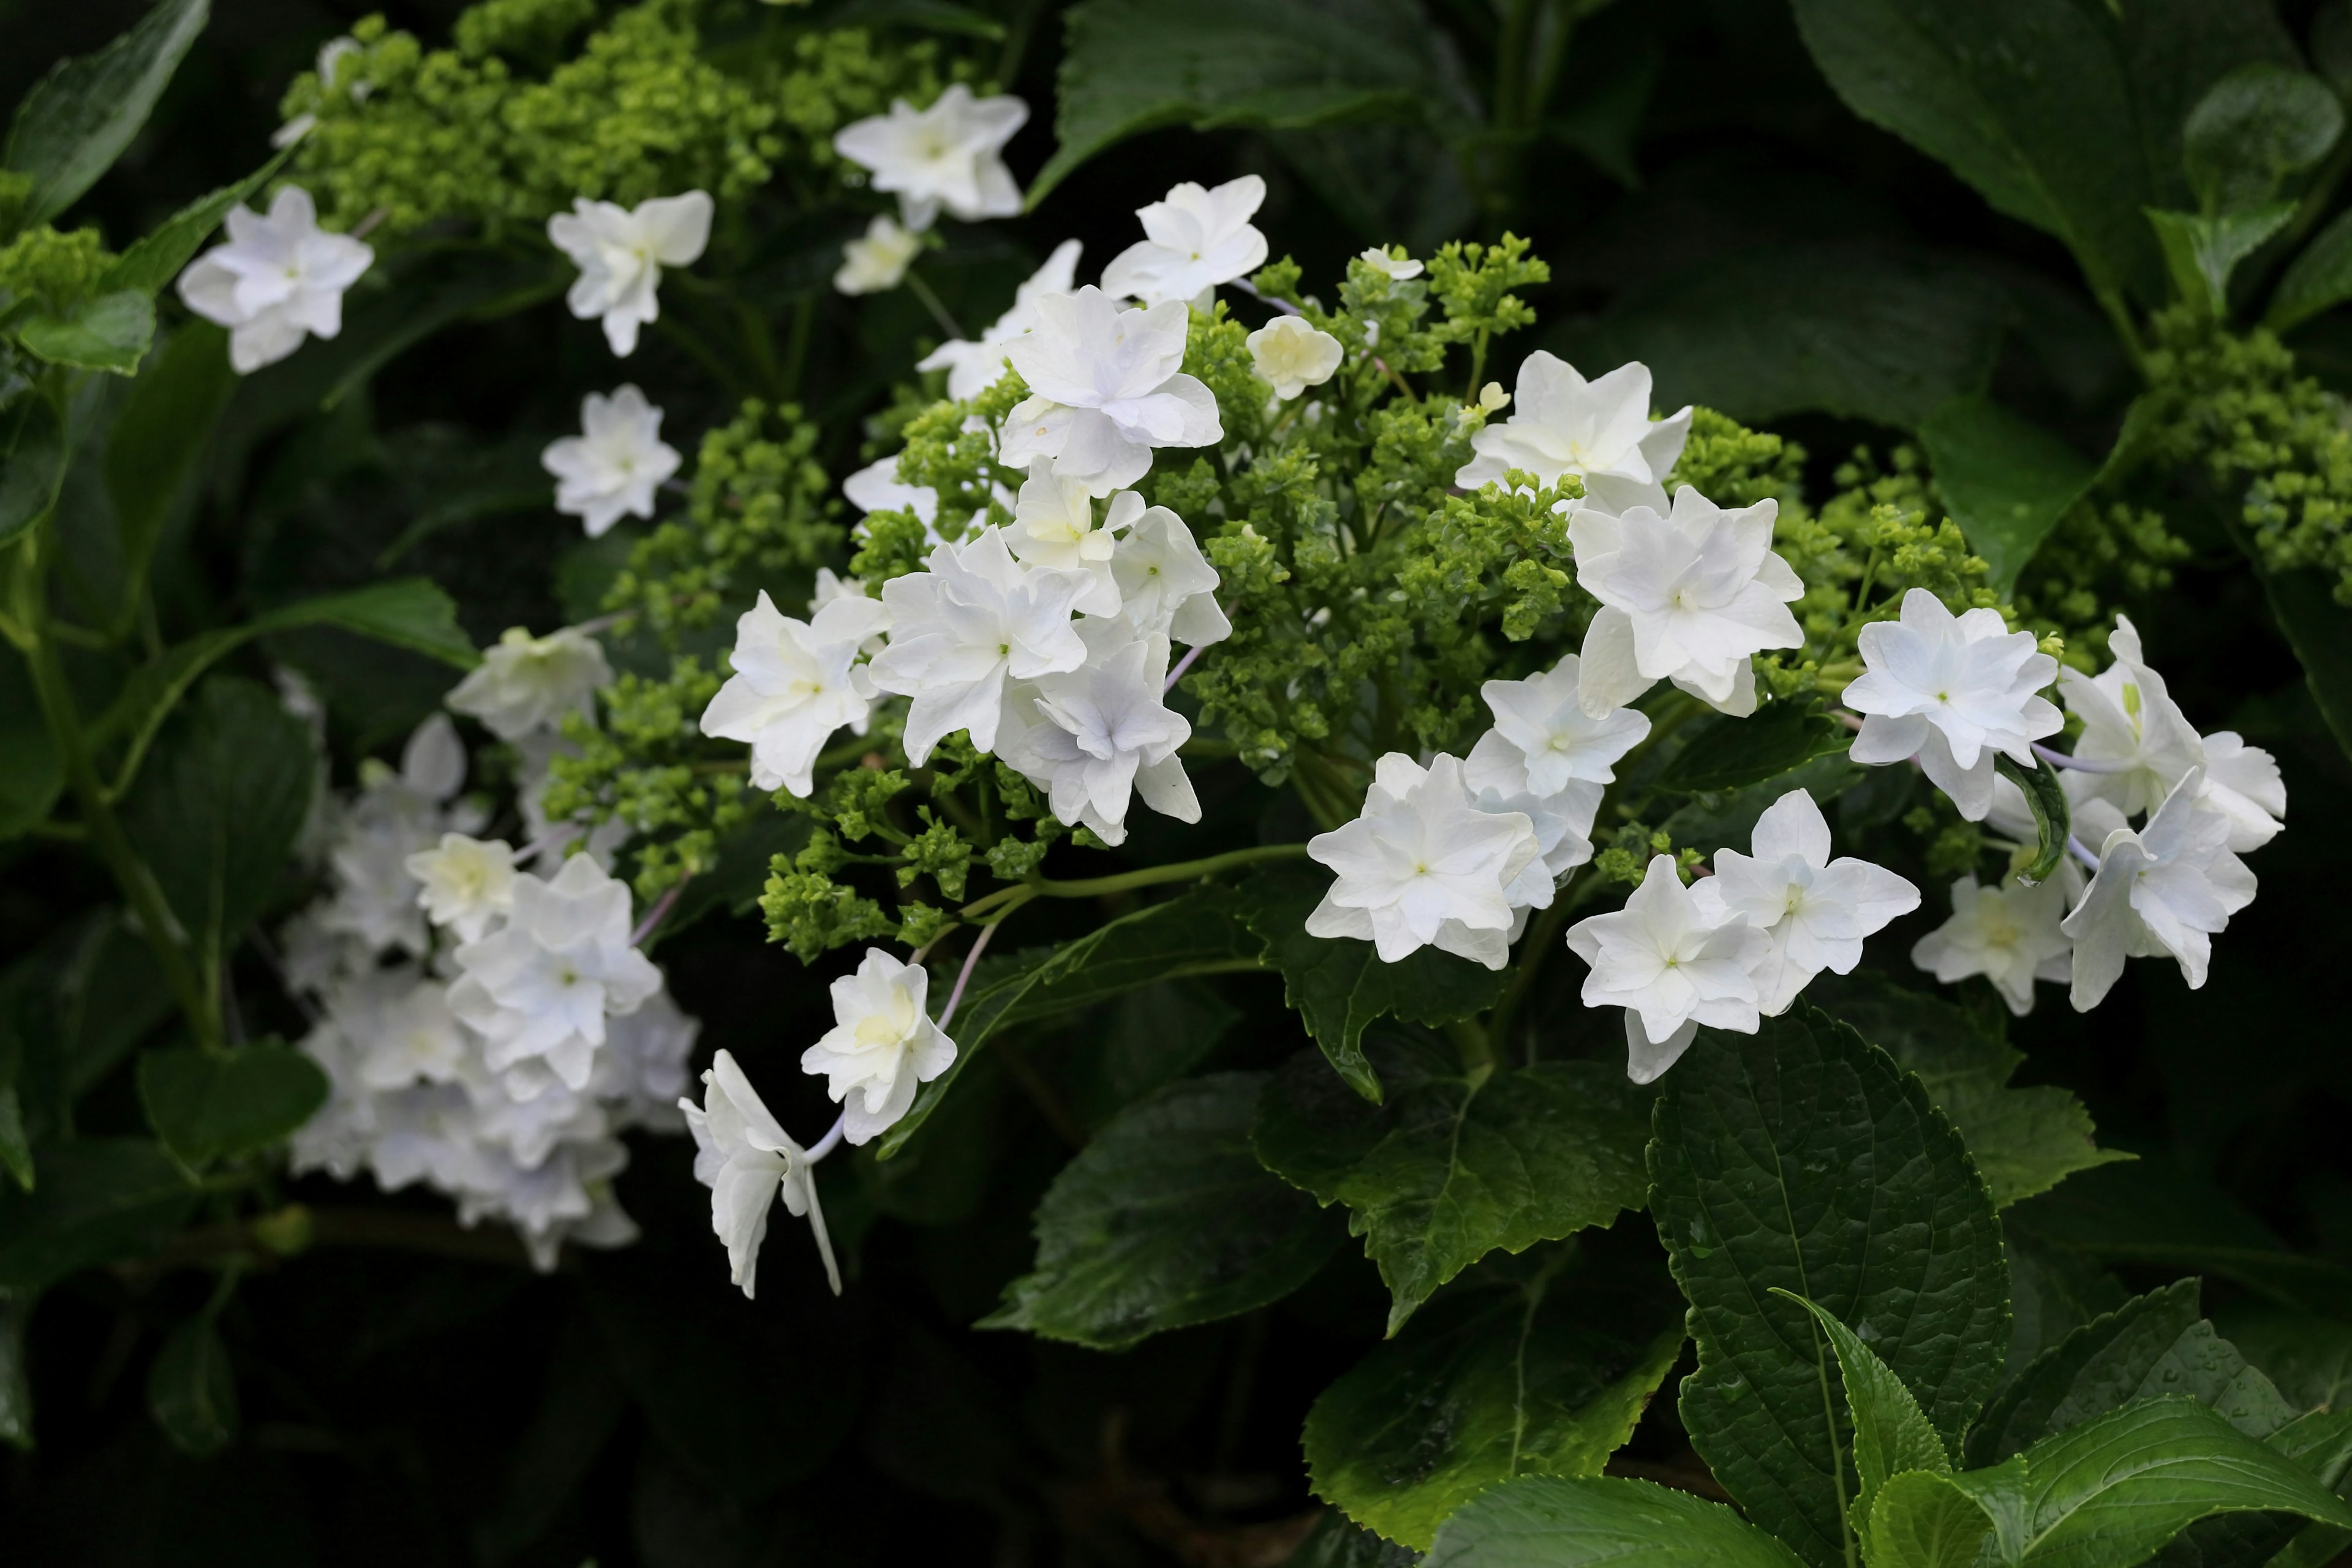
<point x="464" y="883"/>
<point x="1547" y="758"/>
<point x="1291" y="356"/>
<point x="621" y="252"/>
<point x="959" y="630"/>
<point x="1093" y="735"/>
<point x="613" y="467"/>
<point x="2164" y="890"/>
<point x="746" y="1160"/>
<point x="331" y="54"/>
<point x="882" y="1045"/>
<point x="1814" y="910"/>
<point x="526" y="683"/>
<point x="877" y="261"/>
<point x="396" y="813"/>
<point x="1399" y="268"/>
<point x="1687" y="597"/>
<point x="1166" y="586"/>
<point x="949" y="155"/>
<point x="541" y="986"/>
<point x="2009" y="933"/>
<point x="1672" y="964"/>
<point x="877" y="488"/>
<point x="1424" y="865"/>
<point x="973" y="367"/>
<point x="1951" y="690"/>
<point x="1053" y="525"/>
<point x="1601" y="431"/>
<point x="795" y="683"/>
<point x="1194" y="238"/>
<point x="1106" y="387"/>
<point x="279" y="279"/>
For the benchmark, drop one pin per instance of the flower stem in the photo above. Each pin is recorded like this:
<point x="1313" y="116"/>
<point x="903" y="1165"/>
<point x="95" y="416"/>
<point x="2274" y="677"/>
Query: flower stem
<point x="1177" y="674"/>
<point x="662" y="906"/>
<point x="1149" y="877"/>
<point x="829" y="1143"/>
<point x="2080" y="764"/>
<point x="922" y="291"/>
<point x="964" y="976"/>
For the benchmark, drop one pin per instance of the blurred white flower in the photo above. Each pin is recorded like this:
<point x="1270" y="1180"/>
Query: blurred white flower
<point x="949" y="155"/>
<point x="2163" y="891"/>
<point x="1195" y="238"/>
<point x="1399" y="268"/>
<point x="1106" y="387"/>
<point x="795" y="683"/>
<point x="621" y="252"/>
<point x="1814" y="910"/>
<point x="1291" y="356"/>
<point x="1951" y="690"/>
<point x="877" y="261"/>
<point x="973" y="367"/>
<point x="1601" y="431"/>
<point x="394" y="814"/>
<point x="1091" y="736"/>
<point x="641" y="1072"/>
<point x="2009" y="933"/>
<point x="526" y="683"/>
<point x="1672" y="964"/>
<point x="331" y="54"/>
<point x="466" y="883"/>
<point x="279" y="279"/>
<point x="882" y="1047"/>
<point x="615" y="465"/>
<point x="877" y="488"/>
<point x="1424" y="864"/>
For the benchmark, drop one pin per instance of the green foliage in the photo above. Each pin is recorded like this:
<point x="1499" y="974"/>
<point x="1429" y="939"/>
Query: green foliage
<point x="1735" y="753"/>
<point x="99" y="1199"/>
<point x="1546" y="1521"/>
<point x="2007" y="481"/>
<point x="72" y="127"/>
<point x="192" y="1391"/>
<point x="209" y="1105"/>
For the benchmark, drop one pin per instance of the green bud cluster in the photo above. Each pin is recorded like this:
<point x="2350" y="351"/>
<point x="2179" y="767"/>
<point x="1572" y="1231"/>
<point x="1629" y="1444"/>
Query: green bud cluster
<point x="58" y="268"/>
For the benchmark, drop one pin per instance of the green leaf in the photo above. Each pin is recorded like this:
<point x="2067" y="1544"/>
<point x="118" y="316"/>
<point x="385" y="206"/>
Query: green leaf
<point x="32" y="773"/>
<point x="212" y="1105"/>
<point x="2254" y="129"/>
<point x="191" y="1390"/>
<point x="2308" y="1358"/>
<point x="2319" y="630"/>
<point x="16" y="1383"/>
<point x="1132" y="66"/>
<point x="111" y="332"/>
<point x="1736" y="752"/>
<point x="15" y="1148"/>
<point x="1544" y="1375"/>
<point x="1339" y="986"/>
<point x="1165" y="1219"/>
<point x="1453" y="1166"/>
<point x="1554" y="1522"/>
<point x="1799" y="1157"/>
<point x="2053" y="819"/>
<point x="2006" y="482"/>
<point x="2201" y="252"/>
<point x="71" y="127"/>
<point x="1891" y="1433"/>
<point x="100" y="1199"/>
<point x="1337" y="1542"/>
<point x="160" y="435"/>
<point x="2318" y="279"/>
<point x="1920" y="1519"/>
<point x="33" y="455"/>
<point x="157" y="258"/>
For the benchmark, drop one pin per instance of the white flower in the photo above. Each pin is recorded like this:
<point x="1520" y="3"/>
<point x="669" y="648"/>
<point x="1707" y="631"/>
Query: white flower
<point x="746" y="1160"/>
<point x="1166" y="586"/>
<point x="277" y="280"/>
<point x="1424" y="864"/>
<point x="875" y="487"/>
<point x="526" y="683"/>
<point x="1672" y="964"/>
<point x="949" y="155"/>
<point x="2010" y="934"/>
<point x="881" y="1046"/>
<point x="1053" y="525"/>
<point x="1106" y="387"/>
<point x="1600" y="430"/>
<point x="394" y="814"/>
<point x="1399" y="268"/>
<point x="2243" y="784"/>
<point x="467" y="883"/>
<point x="1092" y="735"/>
<point x="641" y="1071"/>
<point x="542" y="984"/>
<point x="331" y="55"/>
<point x="1195" y="240"/>
<point x="795" y="682"/>
<point x="621" y="252"/>
<point x="1951" y="691"/>
<point x="1684" y="597"/>
<point x="2166" y="889"/>
<point x="875" y="263"/>
<point x="615" y="465"/>
<point x="972" y="368"/>
<point x="1814" y="910"/>
<point x="398" y="1021"/>
<point x="1547" y="758"/>
<point x="960" y="629"/>
<point x="1291" y="356"/>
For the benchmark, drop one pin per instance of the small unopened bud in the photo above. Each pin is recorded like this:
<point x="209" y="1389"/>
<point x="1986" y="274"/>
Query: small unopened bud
<point x="1493" y="398"/>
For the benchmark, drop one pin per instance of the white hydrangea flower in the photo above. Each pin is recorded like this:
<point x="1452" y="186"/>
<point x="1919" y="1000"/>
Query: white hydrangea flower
<point x="1424" y="865"/>
<point x="541" y="985"/>
<point x="331" y="54"/>
<point x="1053" y="525"/>
<point x="399" y="1024"/>
<point x="2164" y="890"/>
<point x="464" y="883"/>
<point x="1601" y="431"/>
<point x="1195" y="238"/>
<point x="613" y="467"/>
<point x="526" y="684"/>
<point x="2009" y="933"/>
<point x="1166" y="586"/>
<point x="279" y="279"/>
<point x="949" y="155"/>
<point x="621" y="252"/>
<point x="1687" y="597"/>
<point x="1672" y="964"/>
<point x="877" y="488"/>
<point x="1547" y="758"/>
<point x="394" y="814"/>
<point x="1291" y="356"/>
<point x="877" y="261"/>
<point x="1106" y="387"/>
<point x="795" y="683"/>
<point x="567" y="1197"/>
<point x="1951" y="690"/>
<point x="959" y="630"/>
<point x="882" y="1045"/>
<point x="1815" y="911"/>
<point x="641" y="1072"/>
<point x="1399" y="268"/>
<point x="747" y="1159"/>
<point x="973" y="367"/>
<point x="1092" y="736"/>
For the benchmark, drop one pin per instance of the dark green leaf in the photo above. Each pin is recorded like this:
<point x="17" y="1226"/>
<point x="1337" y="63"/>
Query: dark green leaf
<point x="2200" y="252"/>
<point x="32" y="773"/>
<point x="159" y="436"/>
<point x="1551" y="1522"/>
<point x="207" y="1105"/>
<point x="33" y="450"/>
<point x="2254" y="129"/>
<point x="1165" y="1219"/>
<point x="1541" y="1376"/>
<point x="158" y="256"/>
<point x="191" y="1390"/>
<point x="2054" y="820"/>
<point x="15" y="1148"/>
<point x="111" y="332"/>
<point x="16" y="1384"/>
<point x="100" y="1199"/>
<point x="1338" y="1543"/>
<point x="2320" y="631"/>
<point x="1143" y="1041"/>
<point x="2006" y="482"/>
<point x="1891" y="1432"/>
<point x="1453" y="1166"/>
<point x="1800" y="1157"/>
<point x="71" y="127"/>
<point x="2308" y="1358"/>
<point x="2318" y="279"/>
<point x="1736" y="752"/>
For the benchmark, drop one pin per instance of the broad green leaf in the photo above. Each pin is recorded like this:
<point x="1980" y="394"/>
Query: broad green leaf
<point x="2005" y="480"/>
<point x="2320" y="1442"/>
<point x="111" y="332"/>
<point x="209" y="1105"/>
<point x="1798" y="1157"/>
<point x="2308" y="1358"/>
<point x="1452" y="1165"/>
<point x="160" y="433"/>
<point x="16" y="1383"/>
<point x="1736" y="752"/>
<point x="191" y="1390"/>
<point x="2200" y="252"/>
<point x="1165" y="1219"/>
<point x="2053" y="819"/>
<point x="32" y="773"/>
<point x="1339" y="986"/>
<point x="1541" y="1376"/>
<point x="2318" y="279"/>
<point x="1553" y="1522"/>
<point x="1337" y="1542"/>
<point x="1920" y="1519"/>
<point x="33" y="456"/>
<point x="2253" y="131"/>
<point x="100" y="1199"/>
<point x="2319" y="630"/>
<point x="1132" y="66"/>
<point x="1710" y="822"/>
<point x="158" y="256"/>
<point x="70" y="129"/>
<point x="1141" y="1042"/>
<point x="1891" y="1433"/>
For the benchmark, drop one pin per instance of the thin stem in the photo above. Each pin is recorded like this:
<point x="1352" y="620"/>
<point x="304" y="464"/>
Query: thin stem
<point x="830" y="1141"/>
<point x="2081" y="764"/>
<point x="1149" y="877"/>
<point x="964" y="976"/>
<point x="2081" y="852"/>
<point x="922" y="291"/>
<point x="1284" y="306"/>
<point x="1183" y="665"/>
<point x="662" y="906"/>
